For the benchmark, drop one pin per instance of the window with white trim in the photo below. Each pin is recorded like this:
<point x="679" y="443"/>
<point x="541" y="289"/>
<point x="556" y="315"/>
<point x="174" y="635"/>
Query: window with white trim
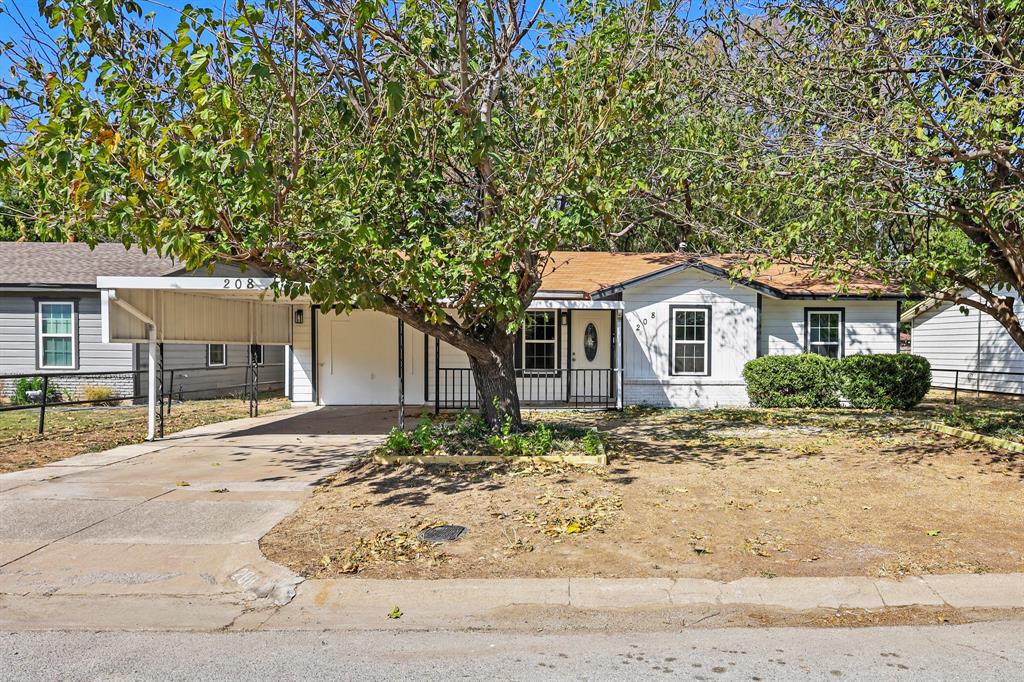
<point x="690" y="341"/>
<point x="216" y="355"/>
<point x="256" y="351"/>
<point x="57" y="335"/>
<point x="825" y="333"/>
<point x="540" y="341"/>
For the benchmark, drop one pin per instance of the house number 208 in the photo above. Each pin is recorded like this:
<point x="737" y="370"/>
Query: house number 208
<point x="643" y="321"/>
<point x="239" y="283"/>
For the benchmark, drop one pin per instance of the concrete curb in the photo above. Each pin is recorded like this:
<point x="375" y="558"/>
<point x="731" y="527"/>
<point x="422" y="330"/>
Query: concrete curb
<point x="347" y="602"/>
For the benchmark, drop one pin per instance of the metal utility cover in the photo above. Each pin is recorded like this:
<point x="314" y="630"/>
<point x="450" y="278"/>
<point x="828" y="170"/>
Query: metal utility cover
<point x="439" y="534"/>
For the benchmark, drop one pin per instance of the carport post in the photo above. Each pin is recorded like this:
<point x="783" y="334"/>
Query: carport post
<point x="151" y="396"/>
<point x="401" y="375"/>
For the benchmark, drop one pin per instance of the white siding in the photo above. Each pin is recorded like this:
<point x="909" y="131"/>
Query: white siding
<point x="870" y="328"/>
<point x="302" y="358"/>
<point x="951" y="340"/>
<point x="648" y="380"/>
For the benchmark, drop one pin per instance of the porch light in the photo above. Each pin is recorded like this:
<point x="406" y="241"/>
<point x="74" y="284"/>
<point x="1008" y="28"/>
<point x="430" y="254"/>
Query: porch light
<point x="299" y="315"/>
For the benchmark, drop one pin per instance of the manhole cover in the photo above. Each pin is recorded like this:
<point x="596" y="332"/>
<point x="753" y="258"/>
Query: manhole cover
<point x="441" y="533"/>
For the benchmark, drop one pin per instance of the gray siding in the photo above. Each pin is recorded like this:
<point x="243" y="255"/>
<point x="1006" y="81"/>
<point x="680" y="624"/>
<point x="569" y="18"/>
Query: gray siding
<point x="193" y="379"/>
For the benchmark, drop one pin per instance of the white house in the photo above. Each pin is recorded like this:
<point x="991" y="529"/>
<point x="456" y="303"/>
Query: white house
<point x="604" y="330"/>
<point x="967" y="348"/>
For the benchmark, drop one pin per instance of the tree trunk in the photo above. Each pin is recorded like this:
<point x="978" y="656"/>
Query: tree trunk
<point x="495" y="378"/>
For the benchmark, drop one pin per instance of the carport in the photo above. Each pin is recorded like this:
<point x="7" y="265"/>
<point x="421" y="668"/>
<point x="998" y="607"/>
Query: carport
<point x="194" y="310"/>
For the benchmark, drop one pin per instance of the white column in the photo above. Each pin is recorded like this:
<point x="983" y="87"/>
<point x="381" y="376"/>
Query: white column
<point x="620" y="365"/>
<point x="151" y="396"/>
<point x="288" y="372"/>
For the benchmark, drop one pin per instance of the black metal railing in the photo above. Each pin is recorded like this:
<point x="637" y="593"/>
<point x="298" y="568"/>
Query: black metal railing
<point x="455" y="388"/>
<point x="172" y="385"/>
<point x="980" y="381"/>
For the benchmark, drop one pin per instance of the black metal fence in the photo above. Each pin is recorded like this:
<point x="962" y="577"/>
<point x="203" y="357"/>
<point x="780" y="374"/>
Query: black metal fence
<point x="455" y="389"/>
<point x="172" y="385"/>
<point x="978" y="381"/>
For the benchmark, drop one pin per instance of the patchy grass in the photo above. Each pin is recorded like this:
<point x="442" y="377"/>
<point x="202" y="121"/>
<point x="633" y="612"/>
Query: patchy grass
<point x="72" y="431"/>
<point x="717" y="494"/>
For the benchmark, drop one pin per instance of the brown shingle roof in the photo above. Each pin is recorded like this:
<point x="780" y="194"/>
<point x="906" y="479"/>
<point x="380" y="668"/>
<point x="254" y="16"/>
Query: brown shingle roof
<point x="590" y="272"/>
<point x="51" y="264"/>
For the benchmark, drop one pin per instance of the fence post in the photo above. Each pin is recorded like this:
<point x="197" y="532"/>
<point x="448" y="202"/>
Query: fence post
<point x="956" y="384"/>
<point x="42" y="403"/>
<point x="160" y="384"/>
<point x="255" y="383"/>
<point x="170" y="394"/>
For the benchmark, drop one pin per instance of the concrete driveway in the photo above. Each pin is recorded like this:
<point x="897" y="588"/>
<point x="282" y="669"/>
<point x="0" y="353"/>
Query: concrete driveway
<point x="180" y="518"/>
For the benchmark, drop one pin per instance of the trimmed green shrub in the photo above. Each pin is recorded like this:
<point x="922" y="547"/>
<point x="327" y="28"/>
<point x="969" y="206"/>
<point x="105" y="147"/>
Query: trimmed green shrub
<point x="885" y="382"/>
<point x="792" y="381"/>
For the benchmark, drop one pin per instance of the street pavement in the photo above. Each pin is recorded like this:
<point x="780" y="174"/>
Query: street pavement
<point x="972" y="653"/>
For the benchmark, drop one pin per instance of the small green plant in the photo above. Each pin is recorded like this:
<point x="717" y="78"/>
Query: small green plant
<point x="425" y="436"/>
<point x="792" y="381"/>
<point x="28" y="384"/>
<point x="470" y="425"/>
<point x="398" y="442"/>
<point x="592" y="443"/>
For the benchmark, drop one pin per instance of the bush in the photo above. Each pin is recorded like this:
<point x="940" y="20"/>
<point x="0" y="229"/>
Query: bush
<point x="27" y="384"/>
<point x="885" y="382"/>
<point x="102" y="395"/>
<point x="792" y="381"/>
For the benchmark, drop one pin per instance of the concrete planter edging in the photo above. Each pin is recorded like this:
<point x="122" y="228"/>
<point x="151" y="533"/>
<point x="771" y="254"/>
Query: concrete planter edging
<point x="977" y="437"/>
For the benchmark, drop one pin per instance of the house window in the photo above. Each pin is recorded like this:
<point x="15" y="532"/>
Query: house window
<point x="540" y="345"/>
<point x="216" y="355"/>
<point x="256" y="352"/>
<point x="690" y="341"/>
<point x="57" y="335"/>
<point x="824" y="332"/>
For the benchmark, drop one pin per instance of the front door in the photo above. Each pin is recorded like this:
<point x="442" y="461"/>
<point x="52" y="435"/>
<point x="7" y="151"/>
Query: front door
<point x="591" y="354"/>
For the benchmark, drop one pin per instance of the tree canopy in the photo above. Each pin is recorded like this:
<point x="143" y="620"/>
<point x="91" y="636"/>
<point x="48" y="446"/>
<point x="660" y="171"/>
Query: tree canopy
<point x="416" y="158"/>
<point x="879" y="135"/>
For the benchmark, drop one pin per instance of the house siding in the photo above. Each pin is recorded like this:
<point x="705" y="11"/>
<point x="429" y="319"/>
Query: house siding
<point x="193" y="379"/>
<point x="18" y="344"/>
<point x="302" y="360"/>
<point x="870" y="326"/>
<point x="952" y="340"/>
<point x="646" y="328"/>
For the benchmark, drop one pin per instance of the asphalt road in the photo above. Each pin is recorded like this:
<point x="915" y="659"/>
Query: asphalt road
<point x="987" y="651"/>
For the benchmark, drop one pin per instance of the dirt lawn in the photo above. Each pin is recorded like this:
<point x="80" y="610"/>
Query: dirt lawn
<point x="72" y="432"/>
<point x="711" y="494"/>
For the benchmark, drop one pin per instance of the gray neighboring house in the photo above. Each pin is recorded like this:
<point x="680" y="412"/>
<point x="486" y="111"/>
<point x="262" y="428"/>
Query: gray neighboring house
<point x="51" y="323"/>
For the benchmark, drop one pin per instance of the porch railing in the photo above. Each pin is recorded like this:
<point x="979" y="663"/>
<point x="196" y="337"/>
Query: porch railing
<point x="455" y="389"/>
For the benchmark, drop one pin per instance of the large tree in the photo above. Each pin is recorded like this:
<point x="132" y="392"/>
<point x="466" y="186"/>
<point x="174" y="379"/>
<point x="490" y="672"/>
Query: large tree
<point x="877" y="135"/>
<point x="417" y="158"/>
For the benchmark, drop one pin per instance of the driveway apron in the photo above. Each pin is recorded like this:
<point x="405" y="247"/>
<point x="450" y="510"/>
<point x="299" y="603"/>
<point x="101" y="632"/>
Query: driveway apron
<point x="181" y="517"/>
